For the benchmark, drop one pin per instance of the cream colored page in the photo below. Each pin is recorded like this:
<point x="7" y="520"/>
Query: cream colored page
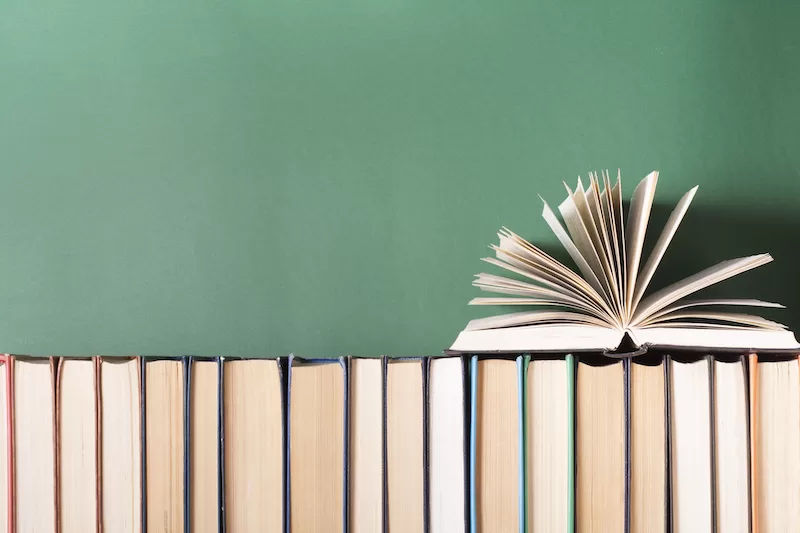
<point x="77" y="447"/>
<point x="121" y="447"/>
<point x="648" y="449"/>
<point x="497" y="468"/>
<point x="731" y="439"/>
<point x="778" y="448"/>
<point x="404" y="446"/>
<point x="580" y="236"/>
<point x="572" y="249"/>
<point x="164" y="446"/>
<point x="446" y="433"/>
<point x="34" y="494"/>
<point x="649" y="268"/>
<point x="720" y="272"/>
<point x="366" y="445"/>
<point x="583" y="203"/>
<point x="316" y="448"/>
<point x="638" y="216"/>
<point x="203" y="442"/>
<point x="600" y="449"/>
<point x="691" y="447"/>
<point x="547" y="446"/>
<point x="253" y="446"/>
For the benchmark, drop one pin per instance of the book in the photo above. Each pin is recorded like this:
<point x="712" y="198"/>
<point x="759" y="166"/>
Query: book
<point x="317" y="408"/>
<point x="164" y="445"/>
<point x="776" y="445"/>
<point x="6" y="449"/>
<point x="548" y="424"/>
<point x="405" y="445"/>
<point x="366" y="445"/>
<point x="254" y="445"/>
<point x="447" y="447"/>
<point x="76" y="446"/>
<point x="496" y="459"/>
<point x="648" y="446"/>
<point x="600" y="447"/>
<point x="203" y="435"/>
<point x="690" y="433"/>
<point x="731" y="449"/>
<point x="604" y="302"/>
<point x="34" y="444"/>
<point x="121" y="445"/>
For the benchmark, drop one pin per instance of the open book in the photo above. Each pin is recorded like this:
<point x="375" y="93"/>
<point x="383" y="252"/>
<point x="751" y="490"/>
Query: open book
<point x="593" y="307"/>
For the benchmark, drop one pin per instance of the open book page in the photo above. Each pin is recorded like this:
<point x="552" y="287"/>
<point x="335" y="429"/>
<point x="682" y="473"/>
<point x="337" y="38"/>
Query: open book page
<point x="668" y="232"/>
<point x="701" y="280"/>
<point x="616" y="195"/>
<point x="533" y="317"/>
<point x="684" y="304"/>
<point x="608" y="290"/>
<point x="736" y="318"/>
<point x="510" y="240"/>
<point x="580" y="236"/>
<point x="523" y="263"/>
<point x="612" y="225"/>
<point x="638" y="216"/>
<point x="587" y="208"/>
<point x="573" y="251"/>
<point x="578" y="336"/>
<point x="600" y="216"/>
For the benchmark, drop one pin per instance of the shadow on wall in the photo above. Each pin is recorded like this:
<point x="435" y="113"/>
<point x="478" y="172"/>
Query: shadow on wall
<point x="712" y="234"/>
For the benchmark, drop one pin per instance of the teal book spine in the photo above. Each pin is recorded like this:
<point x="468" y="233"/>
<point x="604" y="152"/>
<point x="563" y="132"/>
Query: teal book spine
<point x="473" y="443"/>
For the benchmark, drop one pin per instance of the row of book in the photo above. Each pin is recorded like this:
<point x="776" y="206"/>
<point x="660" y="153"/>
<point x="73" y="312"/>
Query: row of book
<point x="440" y="445"/>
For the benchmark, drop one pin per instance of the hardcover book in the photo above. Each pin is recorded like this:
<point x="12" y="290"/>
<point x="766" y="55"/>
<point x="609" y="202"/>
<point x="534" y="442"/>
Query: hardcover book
<point x="605" y="300"/>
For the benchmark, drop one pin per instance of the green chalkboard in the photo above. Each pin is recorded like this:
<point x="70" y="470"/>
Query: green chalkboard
<point x="322" y="177"/>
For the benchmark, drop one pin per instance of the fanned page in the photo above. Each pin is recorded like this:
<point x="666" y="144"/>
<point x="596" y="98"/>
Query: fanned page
<point x="609" y="288"/>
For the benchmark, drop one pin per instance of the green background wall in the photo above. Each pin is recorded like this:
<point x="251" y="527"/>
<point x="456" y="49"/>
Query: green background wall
<point x="321" y="177"/>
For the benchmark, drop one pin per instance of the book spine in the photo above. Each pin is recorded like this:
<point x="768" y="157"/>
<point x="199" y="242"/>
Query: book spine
<point x="523" y="420"/>
<point x="384" y="441"/>
<point x="750" y="495"/>
<point x="521" y="440"/>
<point x="473" y="444"/>
<point x="8" y="361"/>
<point x="626" y="377"/>
<point x="187" y="455"/>
<point x="465" y="388"/>
<point x="571" y="392"/>
<point x="712" y="439"/>
<point x="346" y="443"/>
<point x="668" y="406"/>
<point x="55" y="366"/>
<point x="98" y="467"/>
<point x="143" y="426"/>
<point x="426" y="522"/>
<point x="753" y="371"/>
<point x="667" y="448"/>
<point x="221" y="516"/>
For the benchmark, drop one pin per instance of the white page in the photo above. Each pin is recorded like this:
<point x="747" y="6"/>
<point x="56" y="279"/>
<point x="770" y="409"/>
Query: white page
<point x="584" y="224"/>
<point x="571" y="248"/>
<point x="638" y="216"/>
<point x="702" y="303"/>
<point x="701" y="280"/>
<point x="667" y="234"/>
<point x="533" y="317"/>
